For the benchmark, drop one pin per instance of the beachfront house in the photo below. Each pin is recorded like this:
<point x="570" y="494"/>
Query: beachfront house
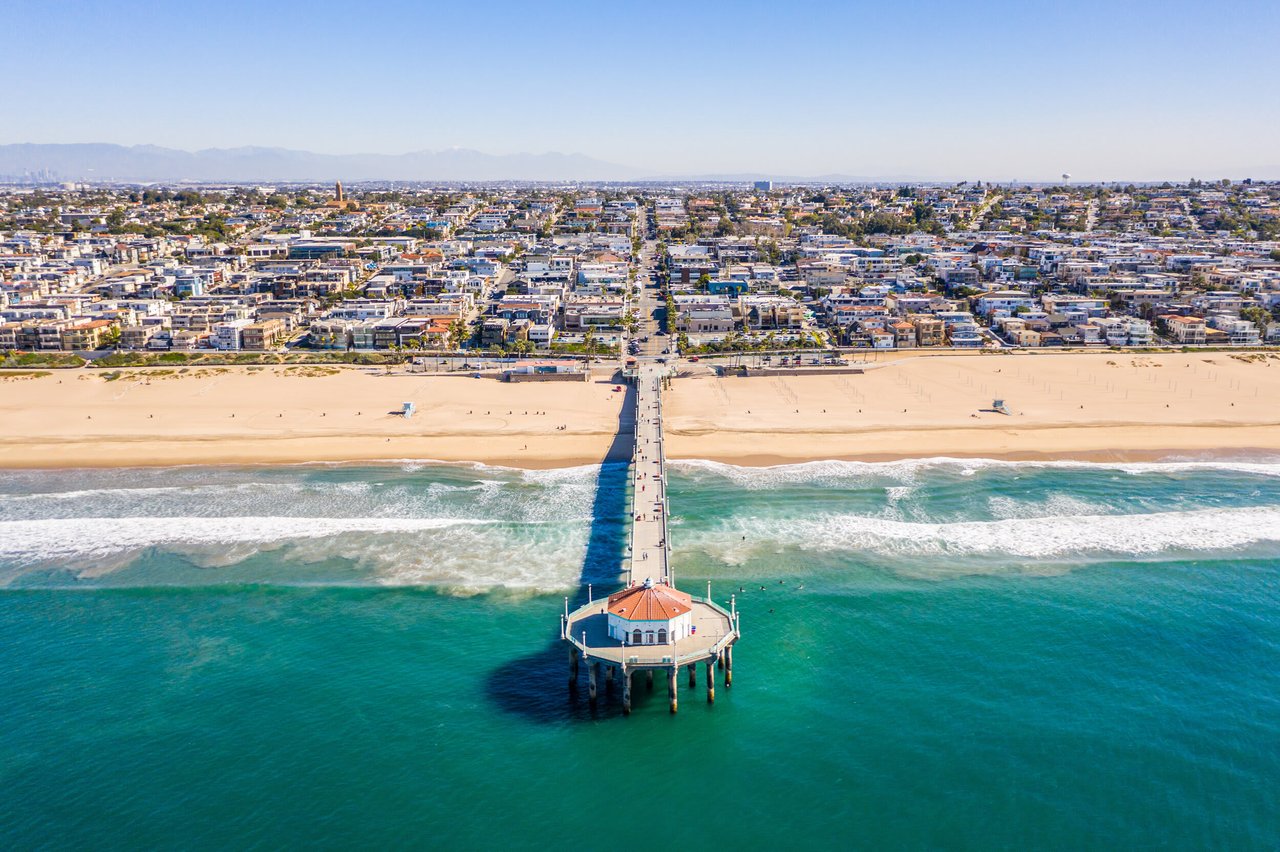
<point x="1187" y="330"/>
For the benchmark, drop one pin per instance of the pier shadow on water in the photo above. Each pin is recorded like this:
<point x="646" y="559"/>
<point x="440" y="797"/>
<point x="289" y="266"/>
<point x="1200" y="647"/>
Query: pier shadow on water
<point x="536" y="685"/>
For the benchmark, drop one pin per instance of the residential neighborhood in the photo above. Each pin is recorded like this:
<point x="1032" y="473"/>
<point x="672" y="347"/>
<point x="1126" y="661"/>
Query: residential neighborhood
<point x="519" y="269"/>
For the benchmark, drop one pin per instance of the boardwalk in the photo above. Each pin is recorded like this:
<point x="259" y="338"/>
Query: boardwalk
<point x="701" y="632"/>
<point x="650" y="550"/>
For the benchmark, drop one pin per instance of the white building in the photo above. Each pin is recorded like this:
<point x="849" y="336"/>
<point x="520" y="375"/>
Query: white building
<point x="229" y="336"/>
<point x="649" y="614"/>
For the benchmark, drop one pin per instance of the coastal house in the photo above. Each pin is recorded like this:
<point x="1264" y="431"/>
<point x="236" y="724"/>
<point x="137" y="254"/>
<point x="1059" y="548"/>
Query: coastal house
<point x="263" y="335"/>
<point x="1238" y="332"/>
<point x="85" y="335"/>
<point x="1004" y="301"/>
<point x="651" y="613"/>
<point x="962" y="329"/>
<point x="930" y="331"/>
<point x="1187" y="330"/>
<point x="770" y="312"/>
<point x="904" y="334"/>
<point x="700" y="314"/>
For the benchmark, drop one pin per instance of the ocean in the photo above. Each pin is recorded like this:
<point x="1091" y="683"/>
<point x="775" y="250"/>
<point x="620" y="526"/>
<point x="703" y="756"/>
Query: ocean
<point x="941" y="653"/>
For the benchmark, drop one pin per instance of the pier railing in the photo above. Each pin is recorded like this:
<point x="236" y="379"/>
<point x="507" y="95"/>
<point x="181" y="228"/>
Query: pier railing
<point x="653" y="655"/>
<point x="666" y="507"/>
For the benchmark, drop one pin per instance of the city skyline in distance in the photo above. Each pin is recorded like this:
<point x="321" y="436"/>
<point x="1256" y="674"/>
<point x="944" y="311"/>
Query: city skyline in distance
<point x="993" y="90"/>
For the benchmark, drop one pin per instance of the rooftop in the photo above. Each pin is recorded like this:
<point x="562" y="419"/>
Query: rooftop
<point x="649" y="602"/>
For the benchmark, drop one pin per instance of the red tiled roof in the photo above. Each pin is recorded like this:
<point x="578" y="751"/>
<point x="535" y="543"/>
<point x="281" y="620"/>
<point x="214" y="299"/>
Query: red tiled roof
<point x="649" y="603"/>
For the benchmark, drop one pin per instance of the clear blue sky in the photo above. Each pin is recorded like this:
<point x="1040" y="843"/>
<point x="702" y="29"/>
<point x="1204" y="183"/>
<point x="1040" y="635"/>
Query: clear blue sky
<point x="993" y="89"/>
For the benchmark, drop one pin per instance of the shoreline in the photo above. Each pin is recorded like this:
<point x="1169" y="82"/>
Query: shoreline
<point x="1103" y="407"/>
<point x="1242" y="454"/>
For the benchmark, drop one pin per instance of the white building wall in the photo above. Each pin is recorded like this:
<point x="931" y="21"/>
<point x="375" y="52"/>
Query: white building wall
<point x="624" y="630"/>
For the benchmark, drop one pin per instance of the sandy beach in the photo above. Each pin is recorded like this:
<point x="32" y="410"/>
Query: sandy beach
<point x="238" y="415"/>
<point x="1084" y="406"/>
<point x="1080" y="406"/>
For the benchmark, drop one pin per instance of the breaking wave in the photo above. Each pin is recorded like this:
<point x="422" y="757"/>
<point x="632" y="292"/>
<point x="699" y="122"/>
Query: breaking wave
<point x="529" y="497"/>
<point x="478" y="527"/>
<point x="836" y="472"/>
<point x="470" y="553"/>
<point x="1063" y="537"/>
<point x="59" y="538"/>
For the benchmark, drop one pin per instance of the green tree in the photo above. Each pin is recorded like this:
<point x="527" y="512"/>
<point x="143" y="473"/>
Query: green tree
<point x="1257" y="315"/>
<point x="459" y="334"/>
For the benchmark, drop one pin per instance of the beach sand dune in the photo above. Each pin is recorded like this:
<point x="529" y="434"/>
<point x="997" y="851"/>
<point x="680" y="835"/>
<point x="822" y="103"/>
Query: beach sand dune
<point x="1105" y="405"/>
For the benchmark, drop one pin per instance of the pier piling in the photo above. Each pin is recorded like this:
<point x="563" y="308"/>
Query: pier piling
<point x="648" y="679"/>
<point x="728" y="666"/>
<point x="593" y="673"/>
<point x="711" y="681"/>
<point x="671" y="688"/>
<point x="693" y="675"/>
<point x="626" y="692"/>
<point x="573" y="670"/>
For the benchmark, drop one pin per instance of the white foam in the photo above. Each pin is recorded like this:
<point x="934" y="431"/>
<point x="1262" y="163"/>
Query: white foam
<point x="1059" y="537"/>
<point x="454" y="554"/>
<point x="1003" y="507"/>
<point x="52" y="539"/>
<point x="502" y="499"/>
<point x="907" y="471"/>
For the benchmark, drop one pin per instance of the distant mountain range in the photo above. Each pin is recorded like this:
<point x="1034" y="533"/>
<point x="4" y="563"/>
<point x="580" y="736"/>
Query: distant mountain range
<point x="101" y="162"/>
<point x="836" y="178"/>
<point x="104" y="163"/>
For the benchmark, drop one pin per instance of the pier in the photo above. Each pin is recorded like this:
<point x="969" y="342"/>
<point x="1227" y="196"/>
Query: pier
<point x="649" y="626"/>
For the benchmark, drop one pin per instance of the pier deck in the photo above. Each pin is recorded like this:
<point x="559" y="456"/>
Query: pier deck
<point x="650" y="550"/>
<point x="713" y="629"/>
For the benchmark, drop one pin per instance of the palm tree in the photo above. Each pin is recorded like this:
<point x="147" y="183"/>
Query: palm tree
<point x="457" y="333"/>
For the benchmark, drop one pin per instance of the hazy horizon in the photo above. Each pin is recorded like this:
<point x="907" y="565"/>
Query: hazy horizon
<point x="623" y="172"/>
<point x="993" y="90"/>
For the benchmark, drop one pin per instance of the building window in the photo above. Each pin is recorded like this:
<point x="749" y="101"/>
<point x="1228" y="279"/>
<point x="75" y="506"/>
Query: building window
<point x="662" y="636"/>
<point x="648" y="637"/>
<point x="636" y="638"/>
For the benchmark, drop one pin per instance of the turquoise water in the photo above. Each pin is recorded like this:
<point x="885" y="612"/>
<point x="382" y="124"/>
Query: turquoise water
<point x="959" y="655"/>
